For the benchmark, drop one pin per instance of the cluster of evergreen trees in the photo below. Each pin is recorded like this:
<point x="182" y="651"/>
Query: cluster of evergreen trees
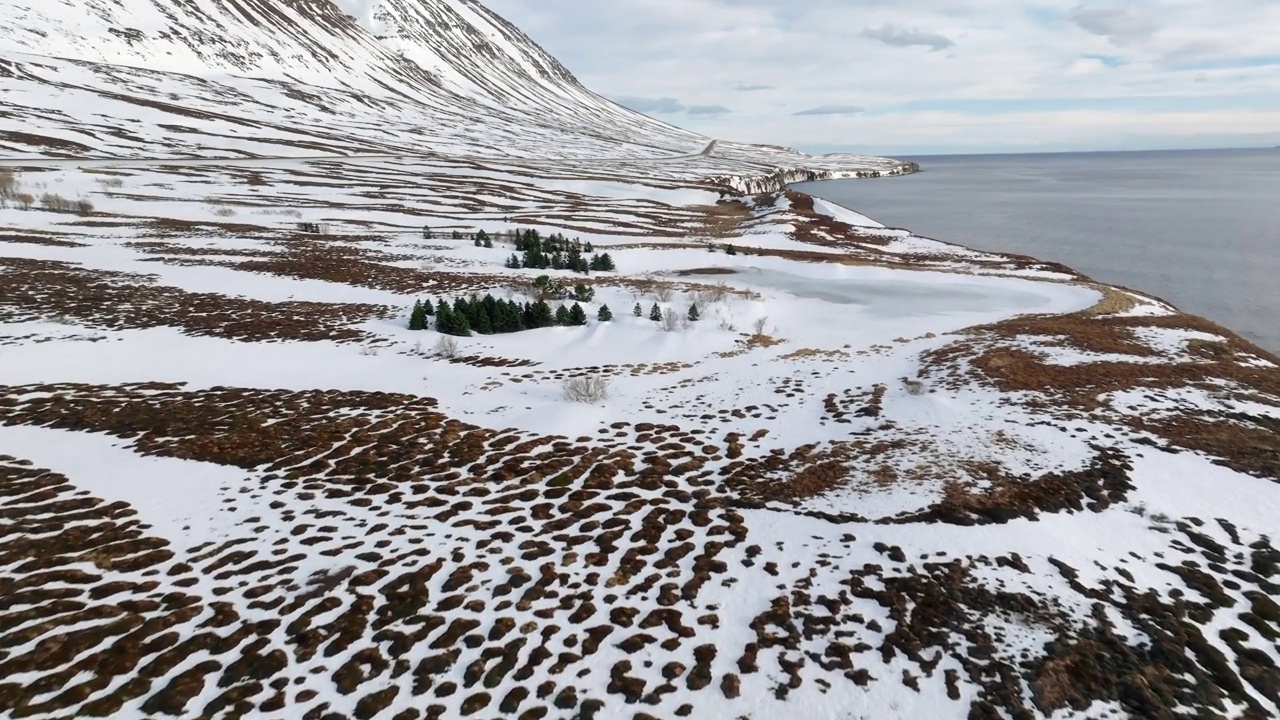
<point x="655" y="312"/>
<point x="489" y="316"/>
<point x="557" y="253"/>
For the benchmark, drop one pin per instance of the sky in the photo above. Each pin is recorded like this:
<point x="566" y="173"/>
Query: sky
<point x="930" y="76"/>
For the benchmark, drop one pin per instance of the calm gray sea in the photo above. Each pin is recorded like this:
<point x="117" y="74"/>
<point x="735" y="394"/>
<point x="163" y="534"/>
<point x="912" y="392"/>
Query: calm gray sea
<point x="1200" y="229"/>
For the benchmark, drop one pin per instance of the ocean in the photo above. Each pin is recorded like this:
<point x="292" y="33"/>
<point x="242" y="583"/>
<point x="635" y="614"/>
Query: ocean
<point x="1198" y="228"/>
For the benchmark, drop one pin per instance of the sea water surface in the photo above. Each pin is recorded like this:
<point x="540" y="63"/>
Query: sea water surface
<point x="1200" y="228"/>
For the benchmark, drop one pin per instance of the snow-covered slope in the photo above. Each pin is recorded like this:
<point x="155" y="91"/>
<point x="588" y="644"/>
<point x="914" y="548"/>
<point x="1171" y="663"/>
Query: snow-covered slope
<point x="809" y="466"/>
<point x="218" y="78"/>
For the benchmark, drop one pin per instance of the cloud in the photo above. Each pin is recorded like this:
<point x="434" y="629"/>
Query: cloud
<point x="1119" y="26"/>
<point x="906" y="37"/>
<point x="1017" y="74"/>
<point x="664" y="106"/>
<point x="668" y="106"/>
<point x="832" y="110"/>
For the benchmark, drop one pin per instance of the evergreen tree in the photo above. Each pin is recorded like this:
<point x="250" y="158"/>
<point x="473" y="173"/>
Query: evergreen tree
<point x="583" y="293"/>
<point x="595" y="263"/>
<point x="693" y="313"/>
<point x="542" y="315"/>
<point x="588" y="248"/>
<point x="604" y="314"/>
<point x="655" y="313"/>
<point x="456" y="235"/>
<point x="444" y="318"/>
<point x="475" y="240"/>
<point x="637" y="311"/>
<point x="488" y="243"/>
<point x="427" y="234"/>
<point x="562" y="316"/>
<point x="528" y="319"/>
<point x="484" y="323"/>
<point x="577" y="316"/>
<point x="606" y="262"/>
<point x="482" y="237"/>
<point x="418" y="318"/>
<point x="513" y="262"/>
<point x="731" y="250"/>
<point x="428" y="308"/>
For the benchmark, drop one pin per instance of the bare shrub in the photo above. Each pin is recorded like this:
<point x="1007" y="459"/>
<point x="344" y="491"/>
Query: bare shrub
<point x="662" y="293"/>
<point x="586" y="389"/>
<point x="914" y="387"/>
<point x="760" y="323"/>
<point x="224" y="211"/>
<point x="9" y="184"/>
<point x="447" y="347"/>
<point x="726" y="324"/>
<point x="284" y="212"/>
<point x="110" y="182"/>
<point x="25" y="200"/>
<point x="54" y="202"/>
<point x="670" y="321"/>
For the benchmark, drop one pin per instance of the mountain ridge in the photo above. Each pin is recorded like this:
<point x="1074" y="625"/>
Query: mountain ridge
<point x="418" y="77"/>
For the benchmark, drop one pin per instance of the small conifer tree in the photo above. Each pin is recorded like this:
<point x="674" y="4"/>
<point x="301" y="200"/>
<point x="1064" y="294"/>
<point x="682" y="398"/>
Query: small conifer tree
<point x="542" y="315"/>
<point x="562" y="316"/>
<point x="418" y="318"/>
<point x="637" y="310"/>
<point x="655" y="313"/>
<point x="604" y="314"/>
<point x="577" y="316"/>
<point x="583" y="293"/>
<point x="693" y="313"/>
<point x="731" y="250"/>
<point x="428" y="308"/>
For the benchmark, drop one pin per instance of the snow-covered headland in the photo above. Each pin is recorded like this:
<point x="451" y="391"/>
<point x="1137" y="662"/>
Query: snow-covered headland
<point x="830" y="469"/>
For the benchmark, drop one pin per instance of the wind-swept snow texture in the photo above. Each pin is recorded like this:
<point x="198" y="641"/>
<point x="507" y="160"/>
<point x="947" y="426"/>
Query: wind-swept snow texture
<point x="880" y="476"/>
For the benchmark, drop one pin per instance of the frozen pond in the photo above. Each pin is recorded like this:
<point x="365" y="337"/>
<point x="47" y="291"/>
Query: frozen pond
<point x="912" y="295"/>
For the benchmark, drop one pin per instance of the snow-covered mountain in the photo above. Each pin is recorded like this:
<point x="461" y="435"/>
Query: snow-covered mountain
<point x="163" y="78"/>
<point x="779" y="461"/>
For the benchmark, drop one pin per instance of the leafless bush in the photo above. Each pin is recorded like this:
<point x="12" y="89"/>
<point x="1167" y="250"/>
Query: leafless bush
<point x="54" y="202"/>
<point x="447" y="347"/>
<point x="760" y="323"/>
<point x="726" y="324"/>
<point x="110" y="182"/>
<point x="224" y="211"/>
<point x="586" y="389"/>
<point x="670" y="321"/>
<point x="285" y="212"/>
<point x="915" y="387"/>
<point x="662" y="293"/>
<point x="718" y="292"/>
<point x="9" y="184"/>
<point x="25" y="200"/>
